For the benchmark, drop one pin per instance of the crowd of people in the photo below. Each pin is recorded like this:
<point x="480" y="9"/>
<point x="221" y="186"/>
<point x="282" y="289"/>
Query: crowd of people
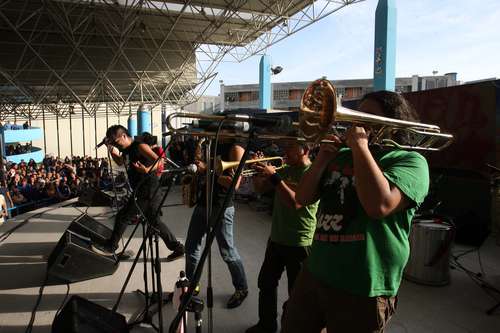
<point x="18" y="149"/>
<point x="24" y="185"/>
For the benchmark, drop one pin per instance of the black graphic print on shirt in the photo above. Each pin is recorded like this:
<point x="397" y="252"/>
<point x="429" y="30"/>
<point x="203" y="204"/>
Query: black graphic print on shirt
<point x="339" y="202"/>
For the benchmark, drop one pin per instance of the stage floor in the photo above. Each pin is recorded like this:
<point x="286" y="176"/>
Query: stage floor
<point x="457" y="307"/>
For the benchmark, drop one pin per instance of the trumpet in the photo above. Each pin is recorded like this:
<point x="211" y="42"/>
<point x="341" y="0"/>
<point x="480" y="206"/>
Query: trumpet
<point x="221" y="166"/>
<point x="320" y="114"/>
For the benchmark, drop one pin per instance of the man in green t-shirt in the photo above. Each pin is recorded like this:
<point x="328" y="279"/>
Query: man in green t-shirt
<point x="368" y="198"/>
<point x="292" y="232"/>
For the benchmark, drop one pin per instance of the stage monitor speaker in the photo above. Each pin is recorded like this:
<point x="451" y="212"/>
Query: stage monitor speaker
<point x="80" y="315"/>
<point x="94" y="197"/>
<point x="88" y="227"/>
<point x="73" y="260"/>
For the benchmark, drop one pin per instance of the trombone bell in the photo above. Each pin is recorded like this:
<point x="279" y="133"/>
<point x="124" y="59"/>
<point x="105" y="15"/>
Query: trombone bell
<point x="320" y="112"/>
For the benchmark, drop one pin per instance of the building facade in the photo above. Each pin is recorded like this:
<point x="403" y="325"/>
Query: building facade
<point x="287" y="95"/>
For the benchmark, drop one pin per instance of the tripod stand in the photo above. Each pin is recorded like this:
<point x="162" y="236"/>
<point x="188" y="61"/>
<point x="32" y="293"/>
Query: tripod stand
<point x="151" y="234"/>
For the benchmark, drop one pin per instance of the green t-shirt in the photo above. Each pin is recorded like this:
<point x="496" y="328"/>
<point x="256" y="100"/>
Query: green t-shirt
<point x="293" y="227"/>
<point x="352" y="251"/>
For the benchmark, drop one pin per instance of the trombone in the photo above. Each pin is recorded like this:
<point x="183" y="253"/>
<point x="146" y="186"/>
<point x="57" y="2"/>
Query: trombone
<point x="320" y="114"/>
<point x="221" y="166"/>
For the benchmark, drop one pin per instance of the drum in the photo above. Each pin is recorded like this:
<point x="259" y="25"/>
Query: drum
<point x="430" y="245"/>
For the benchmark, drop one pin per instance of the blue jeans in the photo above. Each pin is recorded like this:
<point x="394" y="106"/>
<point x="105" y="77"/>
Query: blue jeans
<point x="224" y="236"/>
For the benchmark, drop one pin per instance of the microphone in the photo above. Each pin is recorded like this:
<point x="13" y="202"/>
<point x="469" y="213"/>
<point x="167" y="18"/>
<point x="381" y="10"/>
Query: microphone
<point x="191" y="168"/>
<point x="102" y="143"/>
<point x="238" y="122"/>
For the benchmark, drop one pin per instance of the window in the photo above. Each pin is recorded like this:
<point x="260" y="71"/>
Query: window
<point x="231" y="96"/>
<point x="254" y="95"/>
<point x="295" y="94"/>
<point x="280" y="94"/>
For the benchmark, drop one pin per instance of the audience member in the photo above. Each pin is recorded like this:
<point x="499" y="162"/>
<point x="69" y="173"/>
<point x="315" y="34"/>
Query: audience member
<point x="4" y="213"/>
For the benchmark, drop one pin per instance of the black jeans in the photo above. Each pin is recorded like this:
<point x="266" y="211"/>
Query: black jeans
<point x="277" y="258"/>
<point x="148" y="201"/>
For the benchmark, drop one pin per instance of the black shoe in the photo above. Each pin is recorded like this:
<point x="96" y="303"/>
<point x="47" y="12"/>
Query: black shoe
<point x="237" y="298"/>
<point x="127" y="254"/>
<point x="178" y="253"/>
<point x="258" y="328"/>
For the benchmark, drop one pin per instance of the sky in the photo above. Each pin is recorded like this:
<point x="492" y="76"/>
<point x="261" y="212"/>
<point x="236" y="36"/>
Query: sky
<point x="459" y="36"/>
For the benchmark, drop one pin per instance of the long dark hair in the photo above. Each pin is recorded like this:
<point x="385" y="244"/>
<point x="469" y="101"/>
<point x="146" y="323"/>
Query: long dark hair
<point x="395" y="106"/>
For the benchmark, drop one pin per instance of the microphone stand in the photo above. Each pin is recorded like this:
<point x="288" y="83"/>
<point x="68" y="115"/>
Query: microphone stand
<point x="152" y="233"/>
<point x="208" y="208"/>
<point x="215" y="221"/>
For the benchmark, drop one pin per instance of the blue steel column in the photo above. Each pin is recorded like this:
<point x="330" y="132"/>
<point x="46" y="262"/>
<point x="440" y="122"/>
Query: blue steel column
<point x="143" y="119"/>
<point x="132" y="125"/>
<point x="385" y="46"/>
<point x="265" y="82"/>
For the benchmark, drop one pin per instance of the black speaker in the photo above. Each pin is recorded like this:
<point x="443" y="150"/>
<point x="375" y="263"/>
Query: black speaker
<point x="82" y="316"/>
<point x="87" y="227"/>
<point x="94" y="197"/>
<point x="73" y="260"/>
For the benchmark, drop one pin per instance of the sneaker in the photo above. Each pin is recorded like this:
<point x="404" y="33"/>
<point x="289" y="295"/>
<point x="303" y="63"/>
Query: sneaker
<point x="103" y="250"/>
<point x="258" y="328"/>
<point x="237" y="298"/>
<point x="178" y="253"/>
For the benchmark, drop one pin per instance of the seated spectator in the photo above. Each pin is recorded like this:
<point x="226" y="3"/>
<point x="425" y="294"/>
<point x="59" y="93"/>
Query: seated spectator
<point x="63" y="190"/>
<point x="26" y="125"/>
<point x="11" y="150"/>
<point x="76" y="186"/>
<point x="6" y="194"/>
<point x="4" y="213"/>
<point x="39" y="189"/>
<point x="18" y="149"/>
<point x="17" y="197"/>
<point x="51" y="191"/>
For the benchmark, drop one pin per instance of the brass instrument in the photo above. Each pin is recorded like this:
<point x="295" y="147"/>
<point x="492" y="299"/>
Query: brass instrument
<point x="319" y="112"/>
<point x="221" y="166"/>
<point x="189" y="182"/>
<point x="320" y="115"/>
